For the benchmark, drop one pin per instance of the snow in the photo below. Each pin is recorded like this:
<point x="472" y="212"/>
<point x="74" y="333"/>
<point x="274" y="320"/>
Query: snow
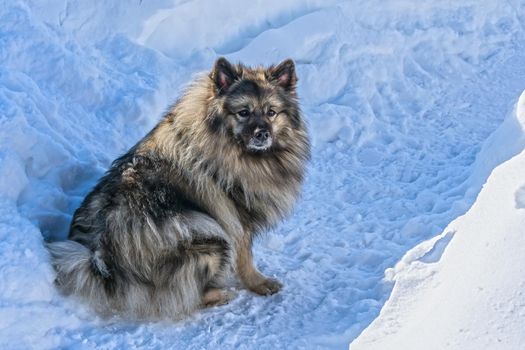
<point x="406" y="106"/>
<point x="471" y="294"/>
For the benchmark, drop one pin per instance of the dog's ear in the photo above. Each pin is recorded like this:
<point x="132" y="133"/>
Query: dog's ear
<point x="284" y="74"/>
<point x="223" y="75"/>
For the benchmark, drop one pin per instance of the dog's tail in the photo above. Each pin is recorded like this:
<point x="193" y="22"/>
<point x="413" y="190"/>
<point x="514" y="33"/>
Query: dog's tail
<point x="79" y="272"/>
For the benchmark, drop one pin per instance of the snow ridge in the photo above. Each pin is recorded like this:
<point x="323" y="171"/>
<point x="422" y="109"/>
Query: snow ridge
<point x="476" y="284"/>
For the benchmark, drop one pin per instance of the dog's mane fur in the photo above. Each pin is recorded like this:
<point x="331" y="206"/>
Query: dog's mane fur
<point x="189" y="138"/>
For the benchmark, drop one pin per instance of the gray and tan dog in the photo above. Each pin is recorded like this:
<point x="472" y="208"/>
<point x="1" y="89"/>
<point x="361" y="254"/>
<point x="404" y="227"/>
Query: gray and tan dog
<point x="157" y="234"/>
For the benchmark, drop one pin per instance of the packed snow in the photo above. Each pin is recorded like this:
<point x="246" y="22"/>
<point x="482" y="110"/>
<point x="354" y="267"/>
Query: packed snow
<point x="406" y="106"/>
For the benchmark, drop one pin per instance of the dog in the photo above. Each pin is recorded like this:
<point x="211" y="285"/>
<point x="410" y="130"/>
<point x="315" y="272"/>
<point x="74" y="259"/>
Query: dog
<point x="173" y="216"/>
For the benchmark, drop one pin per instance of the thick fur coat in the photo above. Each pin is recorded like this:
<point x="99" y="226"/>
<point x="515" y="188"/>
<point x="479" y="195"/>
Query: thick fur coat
<point x="157" y="234"/>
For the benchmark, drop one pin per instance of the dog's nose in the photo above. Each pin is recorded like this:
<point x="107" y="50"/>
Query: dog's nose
<point x="261" y="134"/>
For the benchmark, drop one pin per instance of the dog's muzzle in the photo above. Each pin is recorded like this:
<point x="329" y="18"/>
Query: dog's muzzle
<point x="261" y="139"/>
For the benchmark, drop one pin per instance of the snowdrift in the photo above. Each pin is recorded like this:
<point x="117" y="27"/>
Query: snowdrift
<point x="464" y="289"/>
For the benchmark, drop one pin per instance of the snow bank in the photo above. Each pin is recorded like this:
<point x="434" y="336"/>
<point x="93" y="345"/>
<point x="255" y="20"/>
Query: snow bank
<point x="465" y="289"/>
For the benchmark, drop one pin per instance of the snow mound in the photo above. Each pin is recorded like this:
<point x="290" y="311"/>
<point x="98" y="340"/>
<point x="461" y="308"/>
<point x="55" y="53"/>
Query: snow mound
<point x="471" y="295"/>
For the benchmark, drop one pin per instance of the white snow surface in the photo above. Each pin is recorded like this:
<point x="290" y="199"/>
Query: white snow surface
<point x="406" y="104"/>
<point x="464" y="289"/>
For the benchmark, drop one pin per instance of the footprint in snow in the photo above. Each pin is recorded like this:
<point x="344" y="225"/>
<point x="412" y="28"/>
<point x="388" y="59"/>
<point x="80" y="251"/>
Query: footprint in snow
<point x="520" y="197"/>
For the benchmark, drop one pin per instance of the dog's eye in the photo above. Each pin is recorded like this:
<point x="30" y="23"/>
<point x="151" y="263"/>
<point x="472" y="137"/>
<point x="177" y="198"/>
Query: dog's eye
<point x="244" y="113"/>
<point x="271" y="113"/>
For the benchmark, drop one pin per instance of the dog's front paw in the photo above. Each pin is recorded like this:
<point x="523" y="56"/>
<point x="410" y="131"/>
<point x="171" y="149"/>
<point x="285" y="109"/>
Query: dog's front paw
<point x="268" y="286"/>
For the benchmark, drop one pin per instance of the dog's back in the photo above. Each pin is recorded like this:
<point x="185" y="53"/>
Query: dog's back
<point x="139" y="246"/>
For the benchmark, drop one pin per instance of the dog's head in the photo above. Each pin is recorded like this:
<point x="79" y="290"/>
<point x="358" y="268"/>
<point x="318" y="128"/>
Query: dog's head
<point x="257" y="107"/>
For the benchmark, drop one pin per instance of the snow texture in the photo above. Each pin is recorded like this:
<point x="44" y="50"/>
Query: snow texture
<point x="473" y="296"/>
<point x="406" y="106"/>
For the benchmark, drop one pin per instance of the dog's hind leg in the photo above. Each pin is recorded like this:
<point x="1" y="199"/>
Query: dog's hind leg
<point x="217" y="297"/>
<point x="214" y="258"/>
<point x="192" y="275"/>
<point x="183" y="278"/>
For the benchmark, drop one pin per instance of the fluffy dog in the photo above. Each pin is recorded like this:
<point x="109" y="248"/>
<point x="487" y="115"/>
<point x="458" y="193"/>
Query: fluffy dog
<point x="157" y="234"/>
